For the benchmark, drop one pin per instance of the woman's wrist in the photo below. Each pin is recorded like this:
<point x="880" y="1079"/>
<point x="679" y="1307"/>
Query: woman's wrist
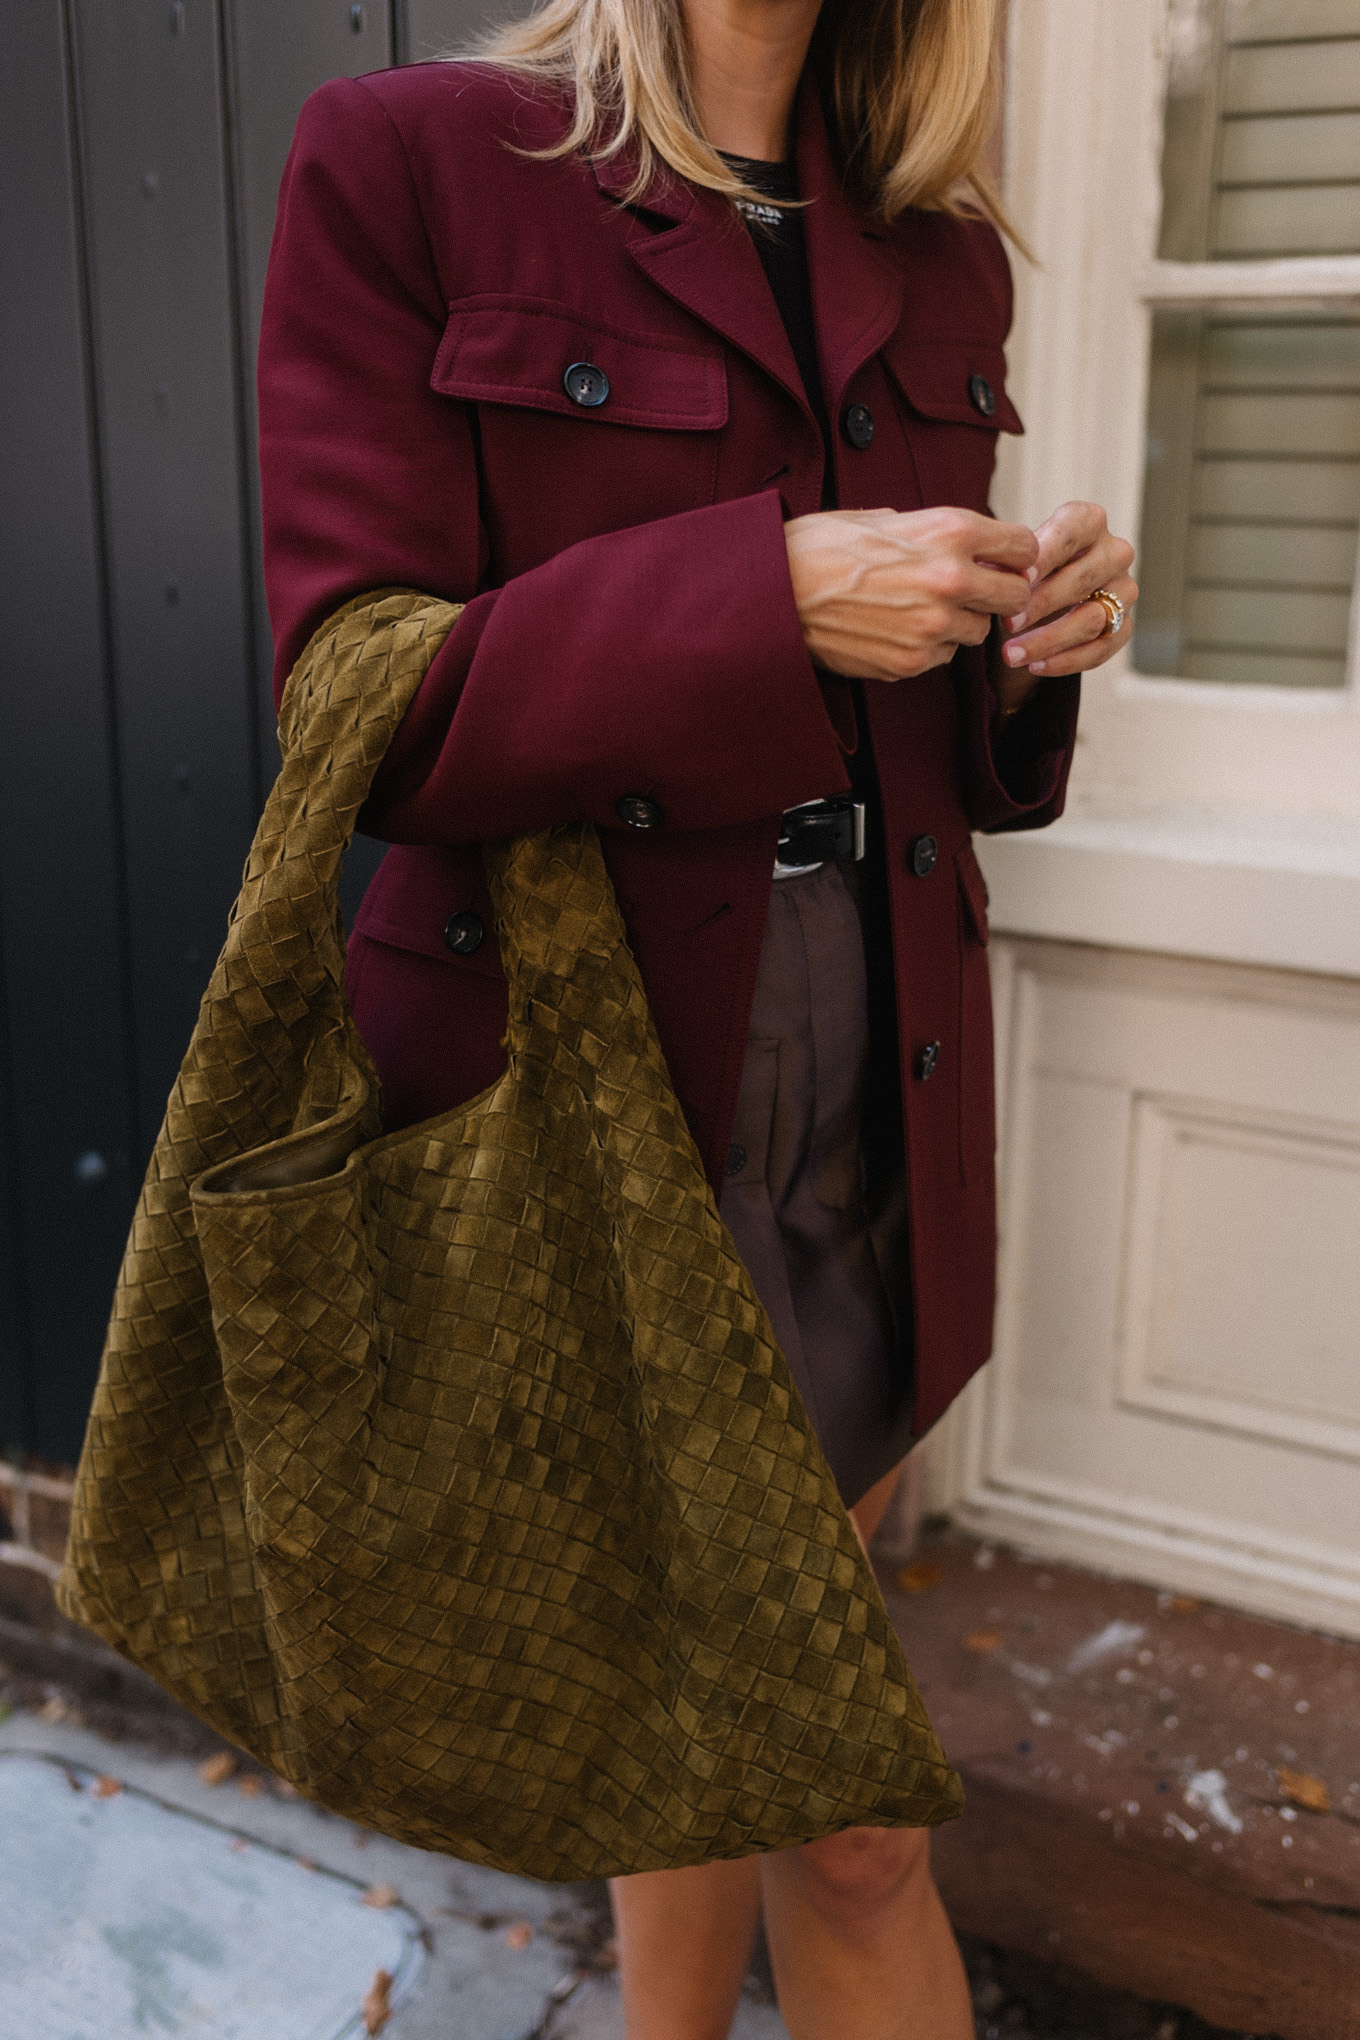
<point x="1012" y="686"/>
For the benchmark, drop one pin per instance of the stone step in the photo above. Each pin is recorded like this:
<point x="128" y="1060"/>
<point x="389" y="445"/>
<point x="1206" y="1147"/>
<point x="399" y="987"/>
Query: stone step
<point x="1162" y="1795"/>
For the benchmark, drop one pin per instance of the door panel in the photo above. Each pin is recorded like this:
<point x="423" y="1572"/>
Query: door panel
<point x="61" y="916"/>
<point x="139" y="741"/>
<point x="271" y="74"/>
<point x="165" y="374"/>
<point x="275" y="63"/>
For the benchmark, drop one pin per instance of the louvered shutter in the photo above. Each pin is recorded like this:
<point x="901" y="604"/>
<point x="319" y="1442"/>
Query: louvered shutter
<point x="1252" y="484"/>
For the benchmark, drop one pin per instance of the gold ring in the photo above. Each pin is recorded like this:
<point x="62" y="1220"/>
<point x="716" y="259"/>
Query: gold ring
<point x="1114" y="611"/>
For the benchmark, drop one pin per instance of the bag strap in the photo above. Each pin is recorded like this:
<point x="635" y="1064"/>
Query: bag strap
<point x="275" y="1050"/>
<point x="345" y="697"/>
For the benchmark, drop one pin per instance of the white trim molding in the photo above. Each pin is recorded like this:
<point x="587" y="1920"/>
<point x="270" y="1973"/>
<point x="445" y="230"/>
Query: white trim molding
<point x="1098" y="1435"/>
<point x="1279" y="891"/>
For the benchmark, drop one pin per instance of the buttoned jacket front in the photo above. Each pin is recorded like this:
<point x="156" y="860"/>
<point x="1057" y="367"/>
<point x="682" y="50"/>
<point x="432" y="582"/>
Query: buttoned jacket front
<point x="630" y="646"/>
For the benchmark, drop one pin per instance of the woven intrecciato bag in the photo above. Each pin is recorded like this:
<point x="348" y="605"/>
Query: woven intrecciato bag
<point x="456" y="1473"/>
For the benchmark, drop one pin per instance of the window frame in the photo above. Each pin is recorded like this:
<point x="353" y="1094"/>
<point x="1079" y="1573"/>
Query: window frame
<point x="1086" y="95"/>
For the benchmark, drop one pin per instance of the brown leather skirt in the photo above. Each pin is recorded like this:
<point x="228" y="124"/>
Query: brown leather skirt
<point x="815" y="1197"/>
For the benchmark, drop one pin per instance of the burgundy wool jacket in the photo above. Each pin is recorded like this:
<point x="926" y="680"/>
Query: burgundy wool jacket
<point x="630" y="628"/>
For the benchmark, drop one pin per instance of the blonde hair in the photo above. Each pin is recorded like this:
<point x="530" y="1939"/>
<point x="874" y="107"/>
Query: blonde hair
<point x="912" y="89"/>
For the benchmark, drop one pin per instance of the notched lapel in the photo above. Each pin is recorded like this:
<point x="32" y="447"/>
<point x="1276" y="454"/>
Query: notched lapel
<point x="857" y="284"/>
<point x="704" y="261"/>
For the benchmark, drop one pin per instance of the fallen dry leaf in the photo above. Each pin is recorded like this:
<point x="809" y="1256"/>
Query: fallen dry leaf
<point x="1304" y="1789"/>
<point x="107" y="1788"/>
<point x="377" y="2005"/>
<point x="982" y="1640"/>
<point x="520" y="1935"/>
<point x="216" y="1770"/>
<point x="380" y="1896"/>
<point x="918" y="1578"/>
<point x="251" y="1786"/>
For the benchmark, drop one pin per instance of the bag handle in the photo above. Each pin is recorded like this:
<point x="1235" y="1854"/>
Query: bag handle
<point x="275" y="1051"/>
<point x="287" y="1088"/>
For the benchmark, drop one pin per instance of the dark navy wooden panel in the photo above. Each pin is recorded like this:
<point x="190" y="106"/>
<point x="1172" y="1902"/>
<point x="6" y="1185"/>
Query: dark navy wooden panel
<point x="141" y="144"/>
<point x="67" y="1135"/>
<point x="431" y="28"/>
<point x="280" y="51"/>
<point x="278" y="54"/>
<point x="163" y="310"/>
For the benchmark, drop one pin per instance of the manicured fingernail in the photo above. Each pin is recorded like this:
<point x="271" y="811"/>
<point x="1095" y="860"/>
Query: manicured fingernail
<point x="1018" y="622"/>
<point x="1015" y="655"/>
<point x="1031" y="575"/>
<point x="1038" y="665"/>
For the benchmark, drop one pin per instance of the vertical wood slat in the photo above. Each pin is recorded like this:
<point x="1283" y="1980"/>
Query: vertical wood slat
<point x="268" y="76"/>
<point x="68" y="1051"/>
<point x="430" y="28"/>
<point x="161" y="290"/>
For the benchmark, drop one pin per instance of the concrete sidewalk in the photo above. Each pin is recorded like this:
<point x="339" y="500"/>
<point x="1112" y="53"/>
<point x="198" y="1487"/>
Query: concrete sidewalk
<point x="137" y="1897"/>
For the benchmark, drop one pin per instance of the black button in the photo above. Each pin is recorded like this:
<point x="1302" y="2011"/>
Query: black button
<point x="638" y="812"/>
<point x="981" y="395"/>
<point x="463" y="933"/>
<point x="858" y="426"/>
<point x="586" y="385"/>
<point x="736" y="1158"/>
<point x="928" y="1061"/>
<point x="924" y="852"/>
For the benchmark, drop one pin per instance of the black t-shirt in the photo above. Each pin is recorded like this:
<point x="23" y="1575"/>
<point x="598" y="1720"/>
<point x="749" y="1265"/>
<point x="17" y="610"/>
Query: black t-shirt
<point x="776" y="229"/>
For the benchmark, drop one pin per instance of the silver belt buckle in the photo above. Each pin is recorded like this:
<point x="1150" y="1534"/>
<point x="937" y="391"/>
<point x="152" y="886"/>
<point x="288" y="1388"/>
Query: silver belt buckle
<point x="840" y="805"/>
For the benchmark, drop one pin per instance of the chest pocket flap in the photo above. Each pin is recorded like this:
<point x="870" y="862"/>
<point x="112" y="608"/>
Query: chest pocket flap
<point x="515" y="350"/>
<point x="958" y="382"/>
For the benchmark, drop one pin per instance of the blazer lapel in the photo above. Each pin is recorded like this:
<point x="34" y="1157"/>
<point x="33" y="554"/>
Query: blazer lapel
<point x="857" y="284"/>
<point x="704" y="260"/>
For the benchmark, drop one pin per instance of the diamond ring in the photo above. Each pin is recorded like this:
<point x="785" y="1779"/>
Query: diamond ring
<point x="1114" y="611"/>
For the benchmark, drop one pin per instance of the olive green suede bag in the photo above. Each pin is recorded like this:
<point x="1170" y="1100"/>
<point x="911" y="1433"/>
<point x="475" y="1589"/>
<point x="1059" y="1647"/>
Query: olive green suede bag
<point x="456" y="1473"/>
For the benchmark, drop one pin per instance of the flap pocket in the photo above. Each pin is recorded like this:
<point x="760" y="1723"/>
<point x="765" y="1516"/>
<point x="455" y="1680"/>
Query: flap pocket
<point x="954" y="381"/>
<point x="434" y="902"/>
<point x="513" y="350"/>
<point x="972" y="891"/>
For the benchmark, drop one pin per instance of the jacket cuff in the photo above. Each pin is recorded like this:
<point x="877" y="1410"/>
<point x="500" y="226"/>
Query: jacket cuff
<point x="1016" y="767"/>
<point x="664" y="662"/>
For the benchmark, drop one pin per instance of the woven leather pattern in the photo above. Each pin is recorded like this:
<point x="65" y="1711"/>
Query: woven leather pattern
<point x="456" y="1472"/>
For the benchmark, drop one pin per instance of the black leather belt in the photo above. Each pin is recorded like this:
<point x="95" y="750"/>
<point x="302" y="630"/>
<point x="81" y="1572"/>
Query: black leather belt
<point x="819" y="832"/>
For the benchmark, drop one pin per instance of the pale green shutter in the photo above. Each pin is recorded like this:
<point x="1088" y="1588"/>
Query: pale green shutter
<point x="1252" y="486"/>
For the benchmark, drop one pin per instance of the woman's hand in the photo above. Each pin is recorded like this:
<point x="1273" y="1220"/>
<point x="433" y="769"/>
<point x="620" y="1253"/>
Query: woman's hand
<point x="1060" y="629"/>
<point x="884" y="594"/>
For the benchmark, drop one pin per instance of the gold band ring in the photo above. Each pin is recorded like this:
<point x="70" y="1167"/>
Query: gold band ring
<point x="1114" y="611"/>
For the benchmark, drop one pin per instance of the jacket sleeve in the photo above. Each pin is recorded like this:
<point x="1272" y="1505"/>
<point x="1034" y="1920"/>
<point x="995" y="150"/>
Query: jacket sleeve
<point x="664" y="660"/>
<point x="1014" y="771"/>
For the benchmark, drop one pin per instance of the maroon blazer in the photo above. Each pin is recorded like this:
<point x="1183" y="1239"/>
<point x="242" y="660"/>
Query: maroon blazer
<point x="630" y="626"/>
